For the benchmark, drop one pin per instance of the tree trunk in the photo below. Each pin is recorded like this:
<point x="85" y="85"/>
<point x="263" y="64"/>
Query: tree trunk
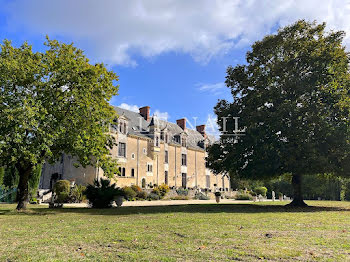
<point x="298" y="200"/>
<point x="22" y="190"/>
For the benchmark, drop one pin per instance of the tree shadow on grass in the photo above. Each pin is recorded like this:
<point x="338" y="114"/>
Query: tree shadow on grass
<point x="193" y="208"/>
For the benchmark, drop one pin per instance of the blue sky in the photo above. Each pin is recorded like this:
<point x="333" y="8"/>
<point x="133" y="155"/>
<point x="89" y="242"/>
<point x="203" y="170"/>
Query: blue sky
<point x="171" y="55"/>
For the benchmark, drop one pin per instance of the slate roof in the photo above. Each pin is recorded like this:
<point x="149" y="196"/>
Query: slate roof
<point x="138" y="126"/>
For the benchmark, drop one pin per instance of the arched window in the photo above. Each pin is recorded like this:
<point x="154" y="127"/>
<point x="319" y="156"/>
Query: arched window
<point x="143" y="183"/>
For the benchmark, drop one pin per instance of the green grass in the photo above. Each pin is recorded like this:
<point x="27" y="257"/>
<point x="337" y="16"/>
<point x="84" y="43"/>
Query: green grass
<point x="208" y="232"/>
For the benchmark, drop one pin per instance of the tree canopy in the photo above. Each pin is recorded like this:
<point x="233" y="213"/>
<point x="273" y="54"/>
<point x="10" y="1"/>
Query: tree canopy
<point x="292" y="97"/>
<point x="53" y="102"/>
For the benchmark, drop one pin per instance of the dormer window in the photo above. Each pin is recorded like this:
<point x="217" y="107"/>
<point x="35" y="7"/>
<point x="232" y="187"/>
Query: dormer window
<point x="177" y="139"/>
<point x="122" y="126"/>
<point x="164" y="136"/>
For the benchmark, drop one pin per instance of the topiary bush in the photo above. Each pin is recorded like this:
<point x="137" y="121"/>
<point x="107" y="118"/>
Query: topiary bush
<point x="261" y="191"/>
<point x="62" y="190"/>
<point x="129" y="193"/>
<point x="102" y="193"/>
<point x="63" y="197"/>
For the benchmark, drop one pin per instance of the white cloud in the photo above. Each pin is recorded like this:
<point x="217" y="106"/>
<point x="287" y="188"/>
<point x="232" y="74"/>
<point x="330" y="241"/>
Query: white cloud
<point x="162" y="115"/>
<point x="126" y="106"/>
<point x="117" y="31"/>
<point x="135" y="108"/>
<point x="215" y="89"/>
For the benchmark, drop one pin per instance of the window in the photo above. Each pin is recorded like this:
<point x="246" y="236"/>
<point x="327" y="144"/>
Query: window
<point x="149" y="168"/>
<point x="132" y="156"/>
<point x="162" y="135"/>
<point x="184" y="160"/>
<point x="166" y="158"/>
<point x="122" y="149"/>
<point x="121" y="171"/>
<point x="157" y="141"/>
<point x="145" y="151"/>
<point x="177" y="139"/>
<point x="166" y="177"/>
<point x="184" y="180"/>
<point x="132" y="172"/>
<point x="122" y="127"/>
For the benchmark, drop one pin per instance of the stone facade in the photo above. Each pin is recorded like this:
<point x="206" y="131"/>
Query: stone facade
<point x="149" y="152"/>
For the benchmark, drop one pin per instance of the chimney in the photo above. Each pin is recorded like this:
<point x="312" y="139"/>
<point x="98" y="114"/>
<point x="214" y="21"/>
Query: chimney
<point x="144" y="111"/>
<point x="181" y="123"/>
<point x="201" y="129"/>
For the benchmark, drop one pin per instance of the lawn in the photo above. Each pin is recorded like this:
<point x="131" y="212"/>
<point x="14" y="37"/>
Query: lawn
<point x="207" y="232"/>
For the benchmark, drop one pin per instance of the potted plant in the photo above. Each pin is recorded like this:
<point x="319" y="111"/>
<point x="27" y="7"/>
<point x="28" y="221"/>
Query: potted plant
<point x="217" y="196"/>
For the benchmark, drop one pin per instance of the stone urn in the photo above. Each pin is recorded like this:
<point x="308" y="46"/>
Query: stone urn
<point x="217" y="197"/>
<point x="119" y="201"/>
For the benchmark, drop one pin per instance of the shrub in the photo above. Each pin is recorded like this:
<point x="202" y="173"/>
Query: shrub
<point x="61" y="186"/>
<point x="182" y="191"/>
<point x="180" y="197"/>
<point x="136" y="188"/>
<point x="141" y="195"/>
<point x="153" y="196"/>
<point x="156" y="191"/>
<point x="102" y="193"/>
<point x="164" y="189"/>
<point x="77" y="194"/>
<point x="129" y="193"/>
<point x="261" y="191"/>
<point x="242" y="196"/>
<point x="62" y="189"/>
<point x="201" y="196"/>
<point x="63" y="197"/>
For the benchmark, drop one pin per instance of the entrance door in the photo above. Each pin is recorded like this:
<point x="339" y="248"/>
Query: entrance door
<point x="184" y="180"/>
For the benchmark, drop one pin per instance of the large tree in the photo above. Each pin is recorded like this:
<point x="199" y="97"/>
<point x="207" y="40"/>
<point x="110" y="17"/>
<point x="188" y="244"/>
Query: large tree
<point x="53" y="102"/>
<point x="292" y="97"/>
